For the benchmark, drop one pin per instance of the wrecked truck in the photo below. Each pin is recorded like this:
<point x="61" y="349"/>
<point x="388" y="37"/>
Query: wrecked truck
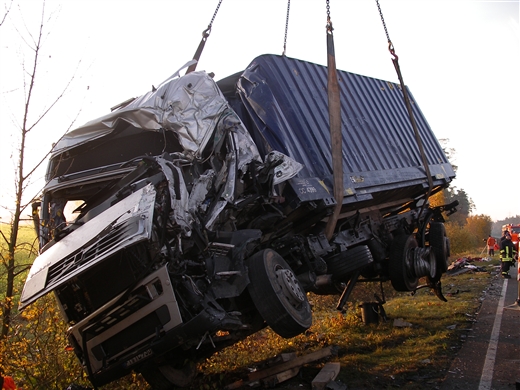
<point x="193" y="216"/>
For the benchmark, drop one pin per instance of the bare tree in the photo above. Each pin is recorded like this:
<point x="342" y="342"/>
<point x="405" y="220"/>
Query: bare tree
<point x="6" y="12"/>
<point x="25" y="126"/>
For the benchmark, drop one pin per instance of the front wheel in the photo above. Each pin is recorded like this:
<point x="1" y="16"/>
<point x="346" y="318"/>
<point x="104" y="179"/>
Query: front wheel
<point x="277" y="294"/>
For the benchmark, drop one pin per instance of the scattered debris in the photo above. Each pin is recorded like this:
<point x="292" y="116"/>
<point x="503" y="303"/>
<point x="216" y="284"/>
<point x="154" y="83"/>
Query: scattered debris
<point x="462" y="265"/>
<point x="451" y="327"/>
<point x="337" y="385"/>
<point x="273" y="380"/>
<point x="328" y="373"/>
<point x="400" y="323"/>
<point x="281" y="370"/>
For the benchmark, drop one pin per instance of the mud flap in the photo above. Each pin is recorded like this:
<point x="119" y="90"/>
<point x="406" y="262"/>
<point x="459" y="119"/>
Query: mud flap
<point x="436" y="286"/>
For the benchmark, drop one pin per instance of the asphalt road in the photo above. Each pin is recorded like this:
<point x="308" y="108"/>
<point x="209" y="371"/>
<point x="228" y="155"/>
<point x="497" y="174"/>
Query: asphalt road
<point x="490" y="358"/>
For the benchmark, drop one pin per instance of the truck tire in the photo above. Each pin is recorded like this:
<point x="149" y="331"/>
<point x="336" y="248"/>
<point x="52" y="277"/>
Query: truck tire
<point x="343" y="264"/>
<point x="440" y="246"/>
<point x="277" y="294"/>
<point x="400" y="267"/>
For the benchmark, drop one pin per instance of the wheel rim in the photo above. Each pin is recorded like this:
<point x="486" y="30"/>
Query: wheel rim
<point x="290" y="286"/>
<point x="277" y="294"/>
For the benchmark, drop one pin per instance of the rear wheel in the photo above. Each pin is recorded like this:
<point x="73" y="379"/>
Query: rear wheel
<point x="278" y="295"/>
<point x="440" y="246"/>
<point x="400" y="263"/>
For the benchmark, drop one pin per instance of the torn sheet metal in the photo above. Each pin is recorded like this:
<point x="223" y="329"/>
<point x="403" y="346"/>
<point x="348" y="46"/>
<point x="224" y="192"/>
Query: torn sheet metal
<point x="189" y="106"/>
<point x="179" y="196"/>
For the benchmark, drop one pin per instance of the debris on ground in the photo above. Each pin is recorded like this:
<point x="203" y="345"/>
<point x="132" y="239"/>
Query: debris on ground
<point x="327" y="374"/>
<point x="463" y="265"/>
<point x="400" y="323"/>
<point x="336" y="385"/>
<point x="283" y="368"/>
<point x="451" y="327"/>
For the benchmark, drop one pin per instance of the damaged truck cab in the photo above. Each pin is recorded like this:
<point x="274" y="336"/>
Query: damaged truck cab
<point x="193" y="216"/>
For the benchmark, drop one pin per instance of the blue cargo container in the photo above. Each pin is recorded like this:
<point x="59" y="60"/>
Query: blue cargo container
<point x="283" y="102"/>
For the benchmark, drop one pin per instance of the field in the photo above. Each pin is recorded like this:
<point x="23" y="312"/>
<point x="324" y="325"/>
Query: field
<point x="24" y="255"/>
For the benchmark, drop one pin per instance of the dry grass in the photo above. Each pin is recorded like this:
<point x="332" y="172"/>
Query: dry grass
<point x="372" y="356"/>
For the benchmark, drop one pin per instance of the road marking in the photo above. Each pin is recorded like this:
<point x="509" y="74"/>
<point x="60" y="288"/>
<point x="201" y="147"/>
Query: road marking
<point x="489" y="363"/>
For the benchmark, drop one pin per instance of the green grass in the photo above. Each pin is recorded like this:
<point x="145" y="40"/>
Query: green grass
<point x="27" y="247"/>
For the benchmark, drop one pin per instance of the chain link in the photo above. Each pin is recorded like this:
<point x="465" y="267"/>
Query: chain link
<point x="208" y="30"/>
<point x="383" y="20"/>
<point x="329" y="23"/>
<point x="286" y="27"/>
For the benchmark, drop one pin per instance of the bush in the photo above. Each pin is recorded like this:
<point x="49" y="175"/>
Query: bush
<point x="461" y="240"/>
<point x="34" y="352"/>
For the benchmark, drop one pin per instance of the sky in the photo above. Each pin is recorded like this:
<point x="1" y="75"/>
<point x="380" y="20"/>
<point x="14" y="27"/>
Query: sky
<point x="460" y="59"/>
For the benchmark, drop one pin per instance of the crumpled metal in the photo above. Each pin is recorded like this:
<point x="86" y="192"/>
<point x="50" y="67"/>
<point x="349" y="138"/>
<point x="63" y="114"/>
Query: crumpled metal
<point x="193" y="107"/>
<point x="190" y="106"/>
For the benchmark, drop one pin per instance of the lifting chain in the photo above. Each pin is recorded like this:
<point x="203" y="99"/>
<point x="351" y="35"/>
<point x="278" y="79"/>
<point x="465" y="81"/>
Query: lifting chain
<point x="205" y="35"/>
<point x="286" y="27"/>
<point x="329" y="22"/>
<point x="395" y="60"/>
<point x="390" y="45"/>
<point x="207" y="31"/>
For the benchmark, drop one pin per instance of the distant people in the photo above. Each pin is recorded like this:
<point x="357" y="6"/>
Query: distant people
<point x="491" y="242"/>
<point x="507" y="255"/>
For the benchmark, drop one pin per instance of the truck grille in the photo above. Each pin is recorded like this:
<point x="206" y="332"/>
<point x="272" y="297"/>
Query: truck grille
<point x="106" y="243"/>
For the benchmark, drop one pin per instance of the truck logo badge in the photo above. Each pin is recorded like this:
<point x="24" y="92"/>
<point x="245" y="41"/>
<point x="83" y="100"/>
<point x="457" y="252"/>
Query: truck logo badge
<point x="139" y="357"/>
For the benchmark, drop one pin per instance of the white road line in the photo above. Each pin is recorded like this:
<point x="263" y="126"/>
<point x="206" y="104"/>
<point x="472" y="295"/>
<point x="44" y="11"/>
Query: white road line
<point x="489" y="363"/>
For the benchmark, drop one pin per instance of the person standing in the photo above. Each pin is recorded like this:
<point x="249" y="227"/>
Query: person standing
<point x="507" y="255"/>
<point x="491" y="245"/>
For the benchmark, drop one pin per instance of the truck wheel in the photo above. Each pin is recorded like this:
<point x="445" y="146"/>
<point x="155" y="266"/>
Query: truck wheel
<point x="277" y="294"/>
<point x="400" y="263"/>
<point x="440" y="246"/>
<point x="343" y="264"/>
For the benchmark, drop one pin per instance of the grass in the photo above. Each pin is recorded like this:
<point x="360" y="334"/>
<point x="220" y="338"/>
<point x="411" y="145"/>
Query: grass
<point x="379" y="356"/>
<point x="27" y="247"/>
<point x="372" y="356"/>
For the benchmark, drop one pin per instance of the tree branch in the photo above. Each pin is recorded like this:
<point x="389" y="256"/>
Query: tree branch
<point x="56" y="100"/>
<point x="6" y="12"/>
<point x="24" y="268"/>
<point x="4" y="237"/>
